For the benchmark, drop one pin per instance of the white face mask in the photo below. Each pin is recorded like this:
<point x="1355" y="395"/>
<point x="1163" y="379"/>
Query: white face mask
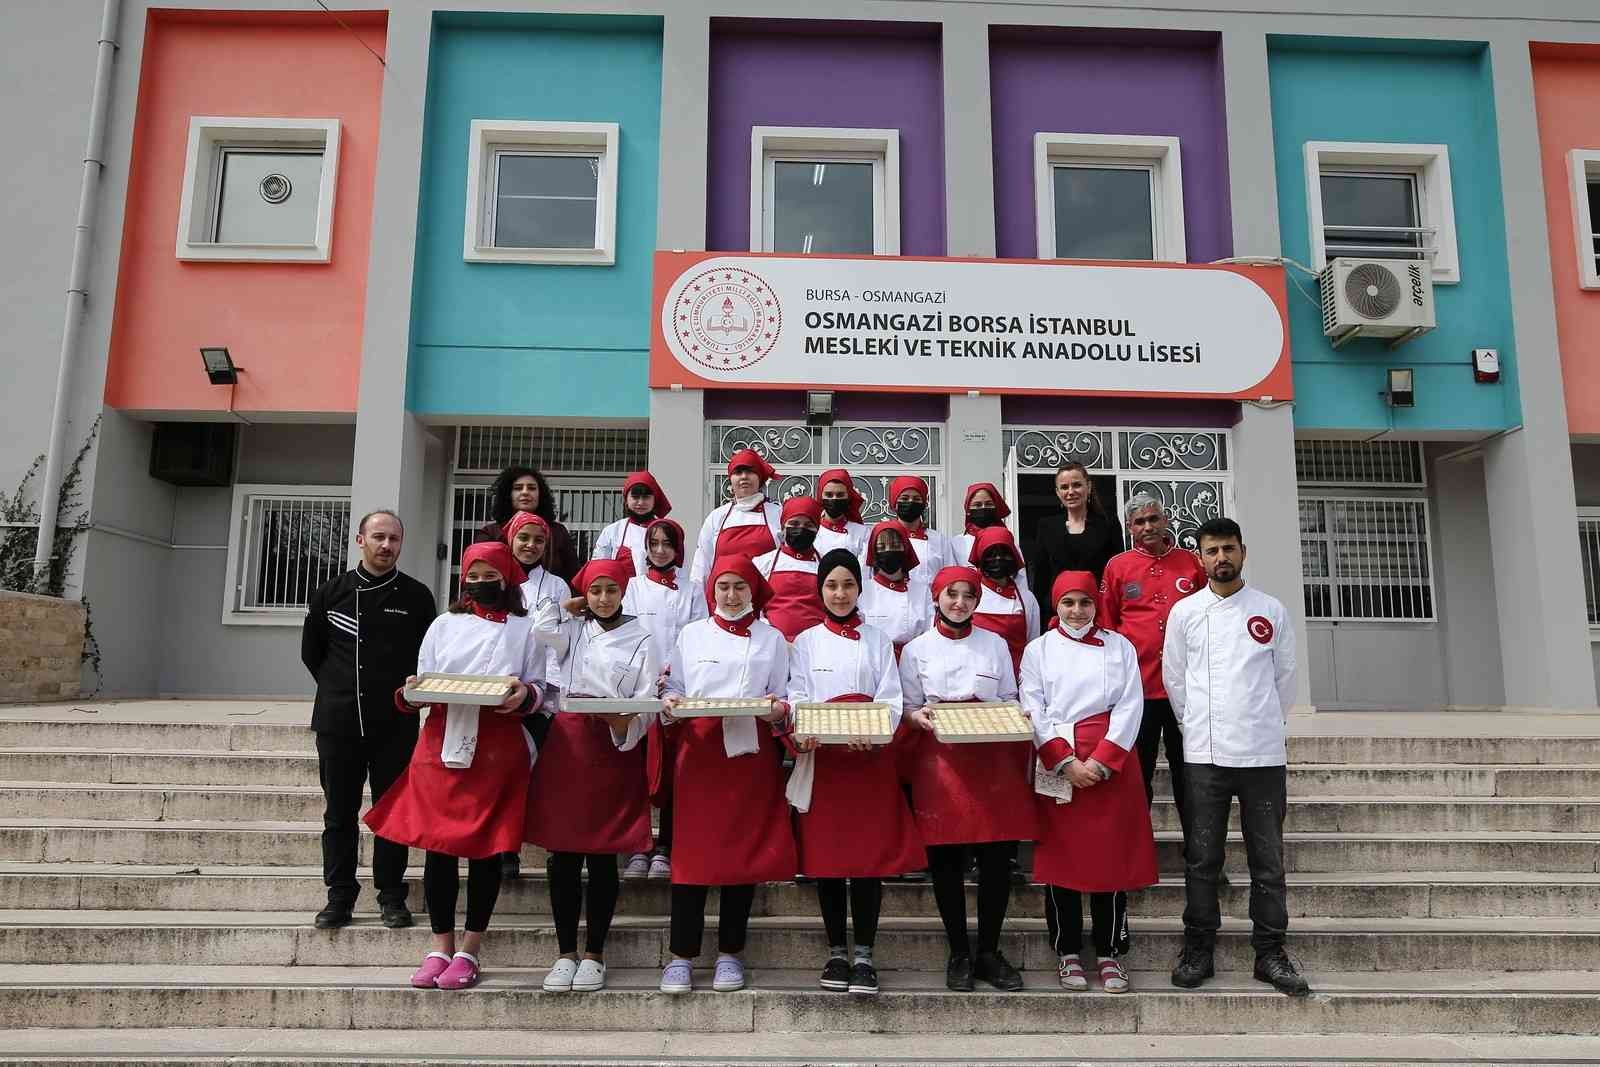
<point x="751" y="502"/>
<point x="730" y="617"/>
<point x="1076" y="632"/>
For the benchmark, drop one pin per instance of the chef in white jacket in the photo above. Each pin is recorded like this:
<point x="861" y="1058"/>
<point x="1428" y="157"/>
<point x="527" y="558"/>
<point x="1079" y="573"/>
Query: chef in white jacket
<point x="1228" y="663"/>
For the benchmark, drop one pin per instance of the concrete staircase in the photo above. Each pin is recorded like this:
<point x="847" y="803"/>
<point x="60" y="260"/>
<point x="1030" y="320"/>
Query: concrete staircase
<point x="159" y="866"/>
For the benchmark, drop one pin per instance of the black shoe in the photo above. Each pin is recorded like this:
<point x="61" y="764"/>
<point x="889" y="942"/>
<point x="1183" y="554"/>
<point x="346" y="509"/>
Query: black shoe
<point x="1194" y="967"/>
<point x="994" y="968"/>
<point x="397" y="916"/>
<point x="334" y="916"/>
<point x="958" y="973"/>
<point x="863" y="979"/>
<point x="1018" y="875"/>
<point x="510" y="865"/>
<point x="836" y="974"/>
<point x="1278" y="970"/>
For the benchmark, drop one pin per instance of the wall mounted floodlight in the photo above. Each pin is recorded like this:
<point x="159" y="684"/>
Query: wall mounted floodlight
<point x="219" y="366"/>
<point x="1401" y="392"/>
<point x="819" y="409"/>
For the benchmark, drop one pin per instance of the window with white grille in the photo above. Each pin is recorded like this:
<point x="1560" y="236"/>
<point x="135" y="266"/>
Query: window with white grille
<point x="1584" y="167"/>
<point x="284" y="542"/>
<point x="1365" y="463"/>
<point x="1381" y="200"/>
<point x="1589" y="551"/>
<point x="1366" y="558"/>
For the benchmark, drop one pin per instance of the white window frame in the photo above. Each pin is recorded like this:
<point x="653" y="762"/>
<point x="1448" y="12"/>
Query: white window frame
<point x="1159" y="155"/>
<point x="1583" y="164"/>
<point x="491" y="135"/>
<point x="1428" y="163"/>
<point x="1333" y="582"/>
<point x="240" y="551"/>
<point x="808" y="144"/>
<point x="197" y="211"/>
<point x="1589" y="530"/>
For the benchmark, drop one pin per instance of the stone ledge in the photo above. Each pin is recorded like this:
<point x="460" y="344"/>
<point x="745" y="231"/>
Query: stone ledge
<point x="41" y="639"/>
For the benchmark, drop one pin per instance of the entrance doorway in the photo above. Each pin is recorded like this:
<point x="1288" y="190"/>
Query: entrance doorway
<point x="1036" y="500"/>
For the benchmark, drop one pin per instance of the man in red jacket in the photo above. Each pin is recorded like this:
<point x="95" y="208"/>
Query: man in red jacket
<point x="1138" y="590"/>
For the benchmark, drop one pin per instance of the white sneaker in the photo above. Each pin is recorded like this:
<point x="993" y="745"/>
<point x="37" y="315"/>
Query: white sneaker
<point x="559" y="980"/>
<point x="660" y="866"/>
<point x="590" y="977"/>
<point x="638" y="866"/>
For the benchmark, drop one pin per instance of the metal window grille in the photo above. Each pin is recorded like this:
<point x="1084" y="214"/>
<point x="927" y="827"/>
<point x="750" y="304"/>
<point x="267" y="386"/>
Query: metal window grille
<point x="567" y="450"/>
<point x="584" y="506"/>
<point x="1377" y="463"/>
<point x="1366" y="558"/>
<point x="1589" y="551"/>
<point x="288" y="544"/>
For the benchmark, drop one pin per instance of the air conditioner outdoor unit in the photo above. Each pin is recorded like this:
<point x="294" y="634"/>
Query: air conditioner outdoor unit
<point x="1390" y="298"/>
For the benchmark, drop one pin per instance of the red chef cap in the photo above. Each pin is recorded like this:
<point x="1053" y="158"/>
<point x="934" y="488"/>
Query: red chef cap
<point x="987" y="539"/>
<point x="904" y="482"/>
<point x="618" y="570"/>
<point x="518" y="521"/>
<point x="749" y="457"/>
<point x="496" y="554"/>
<point x="951" y="575"/>
<point x="760" y="591"/>
<point x="839" y="474"/>
<point x="1001" y="508"/>
<point x="905" y="535"/>
<point x="648" y="480"/>
<point x="801" y="507"/>
<point x="1074" y="582"/>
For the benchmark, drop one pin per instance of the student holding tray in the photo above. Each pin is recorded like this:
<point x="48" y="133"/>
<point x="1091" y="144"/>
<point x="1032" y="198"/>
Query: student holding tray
<point x="730" y="819"/>
<point x="465" y="792"/>
<point x="588" y="799"/>
<point x="853" y="825"/>
<point x="965" y="797"/>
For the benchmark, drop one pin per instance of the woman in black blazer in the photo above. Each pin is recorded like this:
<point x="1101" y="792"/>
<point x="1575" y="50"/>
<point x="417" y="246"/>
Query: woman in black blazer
<point x="1082" y="538"/>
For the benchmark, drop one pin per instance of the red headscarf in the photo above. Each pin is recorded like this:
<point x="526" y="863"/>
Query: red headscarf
<point x="618" y="570"/>
<point x="839" y="474"/>
<point x="760" y="591"/>
<point x="801" y="507"/>
<point x="677" y="539"/>
<point x="496" y="554"/>
<point x="1075" y="582"/>
<point x="904" y="482"/>
<point x="950" y="575"/>
<point x="987" y="539"/>
<point x="1001" y="508"/>
<point x="521" y="519"/>
<point x="905" y="535"/>
<point x="749" y="457"/>
<point x="648" y="480"/>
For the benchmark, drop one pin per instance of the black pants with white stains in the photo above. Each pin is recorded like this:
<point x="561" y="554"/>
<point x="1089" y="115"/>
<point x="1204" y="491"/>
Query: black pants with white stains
<point x="1263" y="801"/>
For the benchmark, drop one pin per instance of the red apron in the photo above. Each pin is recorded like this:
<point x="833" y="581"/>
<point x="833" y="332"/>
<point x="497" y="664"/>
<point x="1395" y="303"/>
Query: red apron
<point x="585" y="796"/>
<point x="969" y="794"/>
<point x="730" y="819"/>
<point x="1101" y="840"/>
<point x="859" y="825"/>
<point x="1014" y="628"/>
<point x="658" y="765"/>
<point x="796" y="606"/>
<point x="751" y="539"/>
<point x="473" y="812"/>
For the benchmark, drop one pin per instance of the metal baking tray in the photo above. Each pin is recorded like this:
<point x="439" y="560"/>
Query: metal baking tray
<point x="974" y="723"/>
<point x="703" y="707"/>
<point x="434" y="687"/>
<point x="608" y="706"/>
<point x="841" y="723"/>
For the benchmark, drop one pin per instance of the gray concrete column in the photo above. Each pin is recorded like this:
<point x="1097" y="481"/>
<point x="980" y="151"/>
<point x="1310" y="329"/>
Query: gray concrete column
<point x="1538" y="576"/>
<point x="677" y="453"/>
<point x="968" y="146"/>
<point x="972" y="454"/>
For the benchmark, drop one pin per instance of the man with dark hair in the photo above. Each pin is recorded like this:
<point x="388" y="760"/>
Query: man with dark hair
<point x="1228" y="662"/>
<point x="360" y="642"/>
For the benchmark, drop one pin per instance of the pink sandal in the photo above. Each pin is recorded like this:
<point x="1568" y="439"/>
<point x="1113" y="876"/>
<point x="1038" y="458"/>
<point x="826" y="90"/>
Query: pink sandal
<point x="427" y="976"/>
<point x="461" y="974"/>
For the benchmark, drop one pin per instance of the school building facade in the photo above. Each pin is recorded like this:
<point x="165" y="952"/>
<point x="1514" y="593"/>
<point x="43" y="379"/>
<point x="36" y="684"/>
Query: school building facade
<point x="439" y="238"/>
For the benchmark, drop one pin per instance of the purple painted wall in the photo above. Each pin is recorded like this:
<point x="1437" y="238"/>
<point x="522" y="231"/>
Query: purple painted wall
<point x="847" y="407"/>
<point x="865" y="79"/>
<point x="1065" y="81"/>
<point x="1111" y="411"/>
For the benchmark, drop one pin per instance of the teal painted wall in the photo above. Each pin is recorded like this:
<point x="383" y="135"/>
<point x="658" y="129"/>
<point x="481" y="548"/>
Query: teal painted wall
<point x="1407" y="93"/>
<point x="508" y="339"/>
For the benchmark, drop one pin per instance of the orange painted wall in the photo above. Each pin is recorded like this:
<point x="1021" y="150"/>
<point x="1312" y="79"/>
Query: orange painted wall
<point x="1566" y="83"/>
<point x="295" y="328"/>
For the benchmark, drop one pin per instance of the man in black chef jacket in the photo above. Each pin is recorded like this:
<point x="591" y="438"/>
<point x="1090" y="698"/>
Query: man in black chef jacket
<point x="360" y="642"/>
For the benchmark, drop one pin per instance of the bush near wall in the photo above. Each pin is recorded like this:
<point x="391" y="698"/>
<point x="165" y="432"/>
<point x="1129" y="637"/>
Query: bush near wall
<point x="41" y="647"/>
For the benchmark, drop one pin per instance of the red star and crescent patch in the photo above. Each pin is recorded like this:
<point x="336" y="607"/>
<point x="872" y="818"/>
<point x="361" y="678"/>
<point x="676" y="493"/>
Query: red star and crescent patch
<point x="1260" y="628"/>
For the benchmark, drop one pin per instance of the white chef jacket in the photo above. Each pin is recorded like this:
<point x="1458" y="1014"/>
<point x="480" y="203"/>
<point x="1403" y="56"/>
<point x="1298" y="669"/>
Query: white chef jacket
<point x="901" y="615"/>
<point x="961" y="551"/>
<point x="708" y="661"/>
<point x="1024" y="604"/>
<point x="826" y="665"/>
<point x="730" y="516"/>
<point x="664" y="611"/>
<point x="463" y="643"/>
<point x="933" y="555"/>
<point x="935" y="668"/>
<point x="596" y="662"/>
<point x="854" y="538"/>
<point x="540" y="589"/>
<point x="624" y="533"/>
<point x="778" y="562"/>
<point x="1066" y="681"/>
<point x="1228" y="664"/>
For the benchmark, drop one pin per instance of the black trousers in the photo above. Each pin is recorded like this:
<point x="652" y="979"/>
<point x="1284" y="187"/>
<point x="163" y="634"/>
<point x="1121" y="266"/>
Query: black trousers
<point x="345" y="764"/>
<point x="865" y="897"/>
<point x="1263" y="800"/>
<point x="1063" y="914"/>
<point x="441" y="884"/>
<point x="568" y="896"/>
<point x="664" y="831"/>
<point x="947" y="867"/>
<point x="1161" y="725"/>
<point x="689" y="919"/>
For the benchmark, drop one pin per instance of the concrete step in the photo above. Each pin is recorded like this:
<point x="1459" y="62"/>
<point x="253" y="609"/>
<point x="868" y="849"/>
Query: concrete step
<point x="233" y="938"/>
<point x="46" y="800"/>
<point x="1432" y="780"/>
<point x="299" y="890"/>
<point x="376" y="998"/>
<point x="252" y="769"/>
<point x="162" y="736"/>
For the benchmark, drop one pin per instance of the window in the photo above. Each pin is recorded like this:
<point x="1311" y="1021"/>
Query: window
<point x="1386" y="201"/>
<point x="1585" y="167"/>
<point x="824" y="191"/>
<point x="1365" y="463"/>
<point x="1589" y="553"/>
<point x="1366" y="558"/>
<point x="541" y="192"/>
<point x="1108" y="197"/>
<point x="283" y="543"/>
<point x="259" y="189"/>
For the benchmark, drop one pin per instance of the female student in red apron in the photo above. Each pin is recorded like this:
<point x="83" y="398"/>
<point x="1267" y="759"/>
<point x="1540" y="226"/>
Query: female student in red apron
<point x="983" y="507"/>
<point x="841" y="513"/>
<point x="730" y="818"/>
<point x="853" y="826"/>
<point x="908" y="496"/>
<point x="663" y="600"/>
<point x="892" y="601"/>
<point x="465" y="791"/>
<point x="748" y="525"/>
<point x="589" y="799"/>
<point x="791" y="570"/>
<point x="1004" y="606"/>
<point x="966" y="797"/>
<point x="1082" y="688"/>
<point x="642" y="503"/>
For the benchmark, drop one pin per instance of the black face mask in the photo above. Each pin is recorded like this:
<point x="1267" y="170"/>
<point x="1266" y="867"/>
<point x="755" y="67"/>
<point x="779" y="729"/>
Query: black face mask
<point x="958" y="627"/>
<point x="910" y="510"/>
<point x="890" y="562"/>
<point x="836" y="506"/>
<point x="485" y="593"/>
<point x="800" y="540"/>
<point x="982" y="517"/>
<point x="999" y="566"/>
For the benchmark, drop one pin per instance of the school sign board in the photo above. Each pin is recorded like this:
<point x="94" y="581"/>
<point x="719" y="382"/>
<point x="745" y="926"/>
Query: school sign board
<point x="753" y="321"/>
